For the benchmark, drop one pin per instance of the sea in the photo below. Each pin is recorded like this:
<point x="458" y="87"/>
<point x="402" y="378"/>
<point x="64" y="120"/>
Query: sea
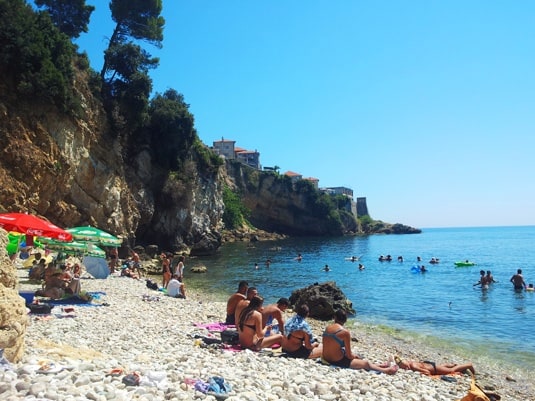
<point x="441" y="306"/>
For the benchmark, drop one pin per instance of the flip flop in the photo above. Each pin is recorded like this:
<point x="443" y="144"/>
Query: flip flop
<point x="50" y="368"/>
<point x="115" y="372"/>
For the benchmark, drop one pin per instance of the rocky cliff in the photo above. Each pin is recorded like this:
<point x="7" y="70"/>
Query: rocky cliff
<point x="74" y="172"/>
<point x="77" y="171"/>
<point x="277" y="204"/>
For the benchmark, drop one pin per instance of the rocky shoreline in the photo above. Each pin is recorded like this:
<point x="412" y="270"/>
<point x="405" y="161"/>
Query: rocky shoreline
<point x="130" y="328"/>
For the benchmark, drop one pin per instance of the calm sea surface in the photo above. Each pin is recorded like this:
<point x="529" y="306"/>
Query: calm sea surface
<point x="441" y="306"/>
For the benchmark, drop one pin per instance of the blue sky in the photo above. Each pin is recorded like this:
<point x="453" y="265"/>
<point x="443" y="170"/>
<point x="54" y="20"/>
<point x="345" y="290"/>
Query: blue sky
<point x="426" y="108"/>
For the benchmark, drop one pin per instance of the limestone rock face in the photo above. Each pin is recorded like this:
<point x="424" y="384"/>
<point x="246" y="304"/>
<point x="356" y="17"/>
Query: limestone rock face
<point x="64" y="168"/>
<point x="277" y="206"/>
<point x="75" y="171"/>
<point x="13" y="316"/>
<point x="322" y="299"/>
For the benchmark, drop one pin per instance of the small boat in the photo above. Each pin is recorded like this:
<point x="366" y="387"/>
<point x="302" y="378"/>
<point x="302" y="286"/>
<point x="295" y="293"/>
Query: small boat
<point x="466" y="263"/>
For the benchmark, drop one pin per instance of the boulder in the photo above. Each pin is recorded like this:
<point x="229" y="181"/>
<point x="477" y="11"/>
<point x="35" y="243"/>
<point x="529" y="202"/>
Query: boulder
<point x="322" y="299"/>
<point x="152" y="267"/>
<point x="199" y="269"/>
<point x="152" y="251"/>
<point x="13" y="315"/>
<point x="208" y="244"/>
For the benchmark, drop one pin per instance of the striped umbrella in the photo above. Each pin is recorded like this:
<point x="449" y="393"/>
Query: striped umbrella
<point x="94" y="235"/>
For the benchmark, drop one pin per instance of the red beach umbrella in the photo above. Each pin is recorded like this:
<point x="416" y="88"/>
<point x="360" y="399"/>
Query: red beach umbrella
<point x="32" y="226"/>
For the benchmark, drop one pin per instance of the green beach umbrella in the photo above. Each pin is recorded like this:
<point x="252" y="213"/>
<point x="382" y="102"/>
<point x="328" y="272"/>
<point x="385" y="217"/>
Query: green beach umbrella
<point x="95" y="235"/>
<point x="74" y="247"/>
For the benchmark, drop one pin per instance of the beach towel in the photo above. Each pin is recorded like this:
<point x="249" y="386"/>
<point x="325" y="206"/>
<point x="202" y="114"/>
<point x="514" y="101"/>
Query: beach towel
<point x="74" y="300"/>
<point x="476" y="393"/>
<point x="216" y="326"/>
<point x="231" y="348"/>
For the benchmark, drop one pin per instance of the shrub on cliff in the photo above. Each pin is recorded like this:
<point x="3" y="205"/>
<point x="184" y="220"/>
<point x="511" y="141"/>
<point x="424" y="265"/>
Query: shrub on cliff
<point x="236" y="213"/>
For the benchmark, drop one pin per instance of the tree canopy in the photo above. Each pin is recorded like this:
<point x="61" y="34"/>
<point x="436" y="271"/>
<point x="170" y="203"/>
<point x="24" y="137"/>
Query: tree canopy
<point x="35" y="57"/>
<point x="135" y="19"/>
<point x="126" y="85"/>
<point x="70" y="16"/>
<point x="171" y="128"/>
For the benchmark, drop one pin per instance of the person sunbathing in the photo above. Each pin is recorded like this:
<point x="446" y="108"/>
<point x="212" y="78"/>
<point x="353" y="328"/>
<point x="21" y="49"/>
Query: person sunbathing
<point x="337" y="348"/>
<point x="297" y="343"/>
<point x="250" y="330"/>
<point x="432" y="369"/>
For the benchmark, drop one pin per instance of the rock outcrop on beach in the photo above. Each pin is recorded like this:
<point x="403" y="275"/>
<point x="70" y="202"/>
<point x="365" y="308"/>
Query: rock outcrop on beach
<point x="322" y="299"/>
<point x="13" y="316"/>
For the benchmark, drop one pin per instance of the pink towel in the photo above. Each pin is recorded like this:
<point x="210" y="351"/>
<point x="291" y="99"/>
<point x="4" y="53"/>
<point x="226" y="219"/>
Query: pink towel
<point x="217" y="326"/>
<point x="232" y="348"/>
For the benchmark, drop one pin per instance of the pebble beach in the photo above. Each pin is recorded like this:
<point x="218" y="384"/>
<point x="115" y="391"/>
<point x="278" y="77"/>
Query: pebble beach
<point x="83" y="353"/>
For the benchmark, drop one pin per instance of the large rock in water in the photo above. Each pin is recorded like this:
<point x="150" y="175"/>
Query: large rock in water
<point x="322" y="299"/>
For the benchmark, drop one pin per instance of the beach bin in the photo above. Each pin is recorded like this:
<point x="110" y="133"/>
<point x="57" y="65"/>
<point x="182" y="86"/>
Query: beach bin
<point x="27" y="295"/>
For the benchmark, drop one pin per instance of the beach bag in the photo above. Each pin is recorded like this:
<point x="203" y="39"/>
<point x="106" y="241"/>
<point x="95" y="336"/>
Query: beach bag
<point x="40" y="309"/>
<point x="151" y="285"/>
<point x="476" y="393"/>
<point x="131" y="379"/>
<point x="230" y="337"/>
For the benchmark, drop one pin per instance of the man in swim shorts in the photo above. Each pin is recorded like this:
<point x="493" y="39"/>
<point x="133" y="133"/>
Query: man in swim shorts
<point x="518" y="281"/>
<point x="233" y="301"/>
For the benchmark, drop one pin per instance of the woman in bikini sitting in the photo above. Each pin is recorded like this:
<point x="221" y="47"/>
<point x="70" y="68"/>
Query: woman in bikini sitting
<point x="250" y="327"/>
<point x="431" y="368"/>
<point x="337" y="348"/>
<point x="298" y="335"/>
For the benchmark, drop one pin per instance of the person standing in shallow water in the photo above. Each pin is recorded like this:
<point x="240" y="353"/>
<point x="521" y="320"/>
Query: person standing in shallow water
<point x="489" y="279"/>
<point x="518" y="280"/>
<point x="481" y="278"/>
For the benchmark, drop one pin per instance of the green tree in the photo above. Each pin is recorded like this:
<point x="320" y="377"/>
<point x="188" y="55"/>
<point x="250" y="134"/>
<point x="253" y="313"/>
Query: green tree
<point x="134" y="19"/>
<point x="70" y="16"/>
<point x="35" y="57"/>
<point x="171" y="128"/>
<point x="126" y="85"/>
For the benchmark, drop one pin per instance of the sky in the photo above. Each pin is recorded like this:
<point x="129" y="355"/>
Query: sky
<point x="426" y="108"/>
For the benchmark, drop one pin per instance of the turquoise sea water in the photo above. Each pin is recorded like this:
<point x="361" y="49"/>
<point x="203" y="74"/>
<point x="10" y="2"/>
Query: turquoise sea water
<point x="441" y="305"/>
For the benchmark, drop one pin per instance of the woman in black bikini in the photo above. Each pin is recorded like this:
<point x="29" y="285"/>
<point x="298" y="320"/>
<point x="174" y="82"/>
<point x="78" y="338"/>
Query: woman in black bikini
<point x="337" y="348"/>
<point x="431" y="368"/>
<point x="250" y="327"/>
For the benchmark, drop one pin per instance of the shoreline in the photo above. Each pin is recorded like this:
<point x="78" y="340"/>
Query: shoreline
<point x="157" y="336"/>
